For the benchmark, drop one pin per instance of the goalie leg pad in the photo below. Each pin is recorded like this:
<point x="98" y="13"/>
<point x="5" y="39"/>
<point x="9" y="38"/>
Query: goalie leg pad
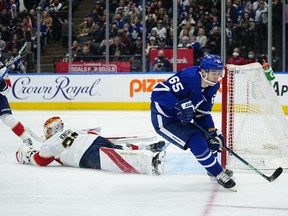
<point x="116" y="160"/>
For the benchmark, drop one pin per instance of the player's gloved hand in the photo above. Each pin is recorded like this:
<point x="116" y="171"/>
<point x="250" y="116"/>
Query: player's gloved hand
<point x="218" y="142"/>
<point x="3" y="85"/>
<point x="184" y="110"/>
<point x="24" y="154"/>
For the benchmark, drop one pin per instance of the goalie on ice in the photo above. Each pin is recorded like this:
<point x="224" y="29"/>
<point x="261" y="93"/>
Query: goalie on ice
<point x="87" y="149"/>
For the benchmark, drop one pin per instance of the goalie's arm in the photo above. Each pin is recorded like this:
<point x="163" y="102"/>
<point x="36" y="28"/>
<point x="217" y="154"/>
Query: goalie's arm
<point x="27" y="155"/>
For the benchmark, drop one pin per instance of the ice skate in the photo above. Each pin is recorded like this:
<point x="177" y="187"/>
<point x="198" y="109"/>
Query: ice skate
<point x="157" y="147"/>
<point x="224" y="180"/>
<point x="158" y="162"/>
<point x="227" y="171"/>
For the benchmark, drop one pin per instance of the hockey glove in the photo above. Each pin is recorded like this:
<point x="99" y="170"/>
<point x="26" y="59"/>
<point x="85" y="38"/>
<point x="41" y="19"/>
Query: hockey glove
<point x="3" y="86"/>
<point x="184" y="110"/>
<point x="218" y="142"/>
<point x="24" y="154"/>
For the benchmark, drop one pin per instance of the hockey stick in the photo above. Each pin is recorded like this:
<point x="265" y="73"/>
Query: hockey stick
<point x="115" y="139"/>
<point x="20" y="55"/>
<point x="271" y="178"/>
<point x="130" y="139"/>
<point x="34" y="135"/>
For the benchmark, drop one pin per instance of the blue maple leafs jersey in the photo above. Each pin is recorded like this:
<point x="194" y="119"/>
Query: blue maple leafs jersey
<point x="185" y="84"/>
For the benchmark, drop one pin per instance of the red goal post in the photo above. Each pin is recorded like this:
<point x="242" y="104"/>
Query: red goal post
<point x="253" y="122"/>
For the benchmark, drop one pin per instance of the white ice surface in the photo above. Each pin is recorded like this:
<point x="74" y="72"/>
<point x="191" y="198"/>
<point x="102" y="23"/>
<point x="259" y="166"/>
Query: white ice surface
<point x="184" y="189"/>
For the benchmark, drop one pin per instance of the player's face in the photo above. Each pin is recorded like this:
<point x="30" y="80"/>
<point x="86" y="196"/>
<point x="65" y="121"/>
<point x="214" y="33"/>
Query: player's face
<point x="214" y="75"/>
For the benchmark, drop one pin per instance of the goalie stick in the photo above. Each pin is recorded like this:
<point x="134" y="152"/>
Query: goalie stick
<point x="271" y="178"/>
<point x="113" y="139"/>
<point x="20" y="55"/>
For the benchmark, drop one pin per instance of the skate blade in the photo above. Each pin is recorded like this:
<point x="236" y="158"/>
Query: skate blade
<point x="232" y="189"/>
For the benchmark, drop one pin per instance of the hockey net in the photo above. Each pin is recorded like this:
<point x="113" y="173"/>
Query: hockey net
<point x="253" y="121"/>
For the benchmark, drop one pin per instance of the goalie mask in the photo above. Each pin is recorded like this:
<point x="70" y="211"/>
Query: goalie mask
<point x="213" y="67"/>
<point x="52" y="126"/>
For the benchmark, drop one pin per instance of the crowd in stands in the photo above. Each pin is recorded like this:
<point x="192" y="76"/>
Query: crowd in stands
<point x="198" y="27"/>
<point x="18" y="27"/>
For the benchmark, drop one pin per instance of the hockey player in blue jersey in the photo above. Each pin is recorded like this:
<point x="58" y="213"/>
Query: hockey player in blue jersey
<point x="189" y="96"/>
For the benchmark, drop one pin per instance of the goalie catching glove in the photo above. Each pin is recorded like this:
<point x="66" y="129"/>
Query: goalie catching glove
<point x="24" y="154"/>
<point x="217" y="142"/>
<point x="184" y="110"/>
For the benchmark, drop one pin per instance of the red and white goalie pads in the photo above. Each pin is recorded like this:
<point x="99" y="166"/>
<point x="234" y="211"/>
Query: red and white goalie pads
<point x="122" y="161"/>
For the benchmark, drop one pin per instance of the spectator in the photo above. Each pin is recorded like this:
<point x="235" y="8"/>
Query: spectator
<point x="125" y="39"/>
<point x="97" y="34"/>
<point x="150" y="22"/>
<point x="197" y="50"/>
<point x="230" y="36"/>
<point x="44" y="5"/>
<point x="151" y="44"/>
<point x="201" y="38"/>
<point x="65" y="32"/>
<point x="251" y="11"/>
<point x="231" y="11"/>
<point x="117" y="48"/>
<point x="214" y="41"/>
<point x="188" y="19"/>
<point x="135" y="29"/>
<point x="43" y="31"/>
<point x="199" y="25"/>
<point x="3" y="5"/>
<point x="154" y="34"/>
<point x="49" y="23"/>
<point x="2" y="44"/>
<point x="247" y="26"/>
<point x="118" y="20"/>
<point x="261" y="19"/>
<point x="136" y="49"/>
<point x="256" y="4"/>
<point x="94" y="14"/>
<point x="56" y="6"/>
<point x="113" y="31"/>
<point x="5" y="17"/>
<point x="160" y="29"/>
<point x="161" y="15"/>
<point x="236" y="59"/>
<point x="189" y="30"/>
<point x="276" y="61"/>
<point x="86" y="27"/>
<point x="30" y="45"/>
<point x="133" y="12"/>
<point x="84" y="55"/>
<point x="26" y="24"/>
<point x="185" y="43"/>
<point x="161" y="63"/>
<point x="162" y="44"/>
<point x="12" y="44"/>
<point x="5" y="34"/>
<point x="251" y="57"/>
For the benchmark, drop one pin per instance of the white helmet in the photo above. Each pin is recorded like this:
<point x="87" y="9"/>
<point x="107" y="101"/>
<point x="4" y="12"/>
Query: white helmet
<point x="52" y="126"/>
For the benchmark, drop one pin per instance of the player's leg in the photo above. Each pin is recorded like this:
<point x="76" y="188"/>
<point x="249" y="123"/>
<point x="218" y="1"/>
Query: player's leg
<point x="188" y="136"/>
<point x="9" y="120"/>
<point x="127" y="161"/>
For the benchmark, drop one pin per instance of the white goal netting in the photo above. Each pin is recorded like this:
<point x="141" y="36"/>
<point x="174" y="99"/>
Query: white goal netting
<point x="257" y="128"/>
